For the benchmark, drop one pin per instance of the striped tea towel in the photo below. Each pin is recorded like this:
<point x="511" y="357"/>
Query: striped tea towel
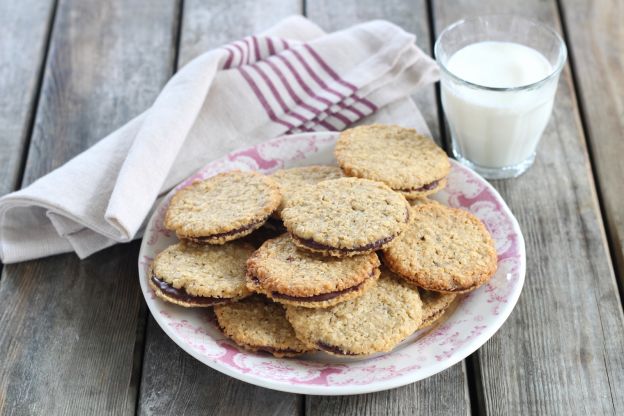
<point x="293" y="78"/>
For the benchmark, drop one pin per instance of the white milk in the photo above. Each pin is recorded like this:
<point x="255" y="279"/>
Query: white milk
<point x="491" y="128"/>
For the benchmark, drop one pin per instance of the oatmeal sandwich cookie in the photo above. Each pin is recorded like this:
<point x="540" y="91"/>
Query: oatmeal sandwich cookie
<point x="406" y="161"/>
<point x="200" y="275"/>
<point x="301" y="278"/>
<point x="257" y="324"/>
<point x="422" y="200"/>
<point x="297" y="180"/>
<point x="222" y="208"/>
<point x="443" y="249"/>
<point x="375" y="322"/>
<point x="346" y="217"/>
<point x="435" y="305"/>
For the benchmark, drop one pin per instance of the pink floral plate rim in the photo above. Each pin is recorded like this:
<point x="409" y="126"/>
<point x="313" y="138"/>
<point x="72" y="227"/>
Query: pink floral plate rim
<point x="475" y="319"/>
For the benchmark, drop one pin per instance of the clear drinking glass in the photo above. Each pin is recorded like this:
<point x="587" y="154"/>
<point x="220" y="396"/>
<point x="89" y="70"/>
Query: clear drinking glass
<point x="495" y="130"/>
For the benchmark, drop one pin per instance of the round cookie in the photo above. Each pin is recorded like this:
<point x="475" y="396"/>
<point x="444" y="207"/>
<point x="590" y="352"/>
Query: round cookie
<point x="297" y="277"/>
<point x="222" y="208"/>
<point x="434" y="305"/>
<point x="406" y="161"/>
<point x="296" y="180"/>
<point x="422" y="200"/>
<point x="443" y="249"/>
<point x="423" y="191"/>
<point x="200" y="275"/>
<point x="374" y="322"/>
<point x="257" y="324"/>
<point x="346" y="217"/>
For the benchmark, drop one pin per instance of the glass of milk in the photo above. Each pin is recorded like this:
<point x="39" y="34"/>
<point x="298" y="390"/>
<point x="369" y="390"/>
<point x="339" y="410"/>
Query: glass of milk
<point x="499" y="76"/>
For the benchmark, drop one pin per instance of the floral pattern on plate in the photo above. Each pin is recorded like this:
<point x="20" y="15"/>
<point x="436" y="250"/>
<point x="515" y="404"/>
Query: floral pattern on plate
<point x="475" y="319"/>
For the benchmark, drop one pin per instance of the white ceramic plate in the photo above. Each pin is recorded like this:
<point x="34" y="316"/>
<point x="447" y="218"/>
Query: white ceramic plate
<point x="476" y="317"/>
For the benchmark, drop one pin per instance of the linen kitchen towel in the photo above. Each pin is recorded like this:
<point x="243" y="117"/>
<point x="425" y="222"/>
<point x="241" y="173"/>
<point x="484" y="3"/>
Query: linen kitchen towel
<point x="292" y="78"/>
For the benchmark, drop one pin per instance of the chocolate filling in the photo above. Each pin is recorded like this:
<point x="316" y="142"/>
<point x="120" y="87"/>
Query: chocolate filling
<point x="308" y="242"/>
<point x="314" y="298"/>
<point x="423" y="188"/>
<point x="269" y="230"/>
<point x="317" y="298"/>
<point x="331" y="348"/>
<point x="367" y="247"/>
<point x="182" y="295"/>
<point x="209" y="238"/>
<point x="265" y="349"/>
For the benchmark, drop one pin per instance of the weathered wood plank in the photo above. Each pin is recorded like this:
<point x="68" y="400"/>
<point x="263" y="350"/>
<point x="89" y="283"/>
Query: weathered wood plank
<point x="68" y="333"/>
<point x="105" y="67"/>
<point x="596" y="45"/>
<point x="446" y="392"/>
<point x="23" y="44"/>
<point x="442" y="394"/>
<point x="211" y="23"/>
<point x="69" y="328"/>
<point x="562" y="349"/>
<point x="173" y="382"/>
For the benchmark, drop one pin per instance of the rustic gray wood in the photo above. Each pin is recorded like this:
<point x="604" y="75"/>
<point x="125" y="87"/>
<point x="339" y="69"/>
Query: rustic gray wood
<point x="596" y="45"/>
<point x="208" y="24"/>
<point x="68" y="335"/>
<point x="25" y="28"/>
<point x="446" y="392"/>
<point x="562" y="349"/>
<point x="70" y="328"/>
<point x="173" y="382"/>
<point x="23" y="48"/>
<point x="71" y="332"/>
<point x="442" y="394"/>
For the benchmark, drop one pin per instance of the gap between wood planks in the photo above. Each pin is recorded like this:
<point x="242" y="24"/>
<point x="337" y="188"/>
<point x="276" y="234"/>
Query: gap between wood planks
<point x="472" y="365"/>
<point x="611" y="240"/>
<point x="568" y="127"/>
<point x="472" y="361"/>
<point x="140" y="343"/>
<point x="612" y="243"/>
<point x="35" y="103"/>
<point x="17" y="184"/>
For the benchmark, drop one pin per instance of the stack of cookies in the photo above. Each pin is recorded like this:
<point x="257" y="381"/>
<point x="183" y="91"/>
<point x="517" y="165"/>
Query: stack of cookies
<point x="291" y="262"/>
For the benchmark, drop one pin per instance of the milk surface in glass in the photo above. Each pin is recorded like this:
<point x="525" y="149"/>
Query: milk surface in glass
<point x="497" y="128"/>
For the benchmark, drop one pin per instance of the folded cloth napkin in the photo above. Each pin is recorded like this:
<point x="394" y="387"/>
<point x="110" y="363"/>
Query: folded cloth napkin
<point x="292" y="78"/>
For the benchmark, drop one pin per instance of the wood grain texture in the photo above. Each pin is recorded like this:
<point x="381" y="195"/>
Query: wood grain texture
<point x="596" y="45"/>
<point x="446" y="392"/>
<point x="208" y="24"/>
<point x="173" y="382"/>
<point x="68" y="331"/>
<point x="23" y="44"/>
<point x="108" y="61"/>
<point x="562" y="349"/>
<point x="69" y="327"/>
<point x="442" y="394"/>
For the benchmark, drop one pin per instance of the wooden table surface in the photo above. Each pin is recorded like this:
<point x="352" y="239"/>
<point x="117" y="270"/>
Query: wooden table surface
<point x="76" y="336"/>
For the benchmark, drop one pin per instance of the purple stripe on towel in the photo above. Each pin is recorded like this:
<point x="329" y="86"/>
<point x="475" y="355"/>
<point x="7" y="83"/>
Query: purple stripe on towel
<point x="337" y="78"/>
<point x="263" y="100"/>
<point x="277" y="95"/>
